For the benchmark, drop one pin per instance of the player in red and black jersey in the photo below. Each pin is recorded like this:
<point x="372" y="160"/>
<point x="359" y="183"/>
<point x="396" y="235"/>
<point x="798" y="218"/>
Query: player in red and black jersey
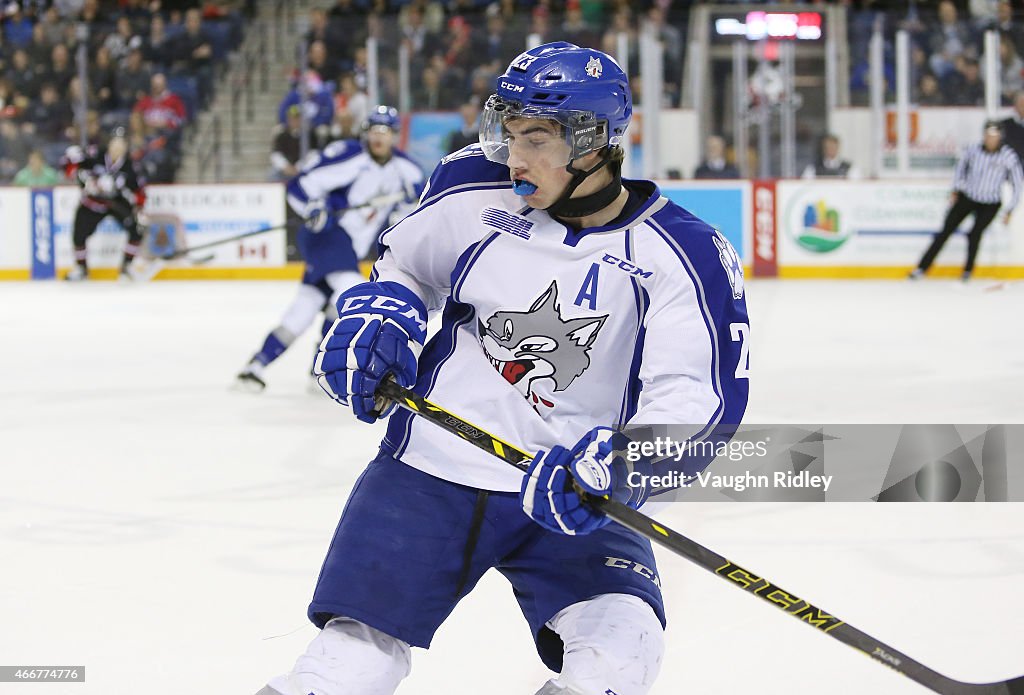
<point x="110" y="186"/>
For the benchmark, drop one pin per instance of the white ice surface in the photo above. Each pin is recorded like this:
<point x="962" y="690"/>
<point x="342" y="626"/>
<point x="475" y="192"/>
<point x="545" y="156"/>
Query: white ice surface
<point x="167" y="533"/>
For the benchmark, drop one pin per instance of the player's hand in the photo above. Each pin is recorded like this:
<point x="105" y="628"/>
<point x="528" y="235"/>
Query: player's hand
<point x="316" y="215"/>
<point x="380" y="330"/>
<point x="597" y="466"/>
<point x="1006" y="218"/>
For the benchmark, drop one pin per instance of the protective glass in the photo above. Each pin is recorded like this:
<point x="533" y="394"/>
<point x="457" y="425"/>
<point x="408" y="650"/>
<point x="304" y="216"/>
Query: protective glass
<point x="578" y="133"/>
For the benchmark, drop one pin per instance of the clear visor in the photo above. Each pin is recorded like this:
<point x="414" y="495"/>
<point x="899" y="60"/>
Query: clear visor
<point x="539" y="136"/>
<point x="380" y="129"/>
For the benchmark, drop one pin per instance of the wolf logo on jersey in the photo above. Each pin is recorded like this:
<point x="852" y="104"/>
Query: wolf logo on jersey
<point x="528" y="346"/>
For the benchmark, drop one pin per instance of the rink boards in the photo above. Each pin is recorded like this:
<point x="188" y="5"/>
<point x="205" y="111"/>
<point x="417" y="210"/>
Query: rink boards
<point x="789" y="229"/>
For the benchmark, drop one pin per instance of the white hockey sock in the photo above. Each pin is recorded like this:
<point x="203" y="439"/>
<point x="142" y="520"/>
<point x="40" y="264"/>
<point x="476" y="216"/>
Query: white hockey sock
<point x="347" y="657"/>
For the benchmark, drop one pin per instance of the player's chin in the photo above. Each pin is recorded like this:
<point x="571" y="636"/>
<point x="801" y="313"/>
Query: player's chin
<point x="537" y="200"/>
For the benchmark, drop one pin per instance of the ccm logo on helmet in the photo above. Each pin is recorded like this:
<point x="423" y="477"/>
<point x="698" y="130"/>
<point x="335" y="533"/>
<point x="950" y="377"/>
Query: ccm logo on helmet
<point x="512" y="87"/>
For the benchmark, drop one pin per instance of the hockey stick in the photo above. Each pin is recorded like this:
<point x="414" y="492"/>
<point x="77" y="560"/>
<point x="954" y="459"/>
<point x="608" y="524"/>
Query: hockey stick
<point x="181" y="253"/>
<point x="708" y="559"/>
<point x="385" y="199"/>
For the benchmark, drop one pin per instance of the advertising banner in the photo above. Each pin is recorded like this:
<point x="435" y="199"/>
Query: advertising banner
<point x="426" y="137"/>
<point x="876" y="224"/>
<point x="44" y="266"/>
<point x="182" y="216"/>
<point x="725" y="205"/>
<point x="15" y="231"/>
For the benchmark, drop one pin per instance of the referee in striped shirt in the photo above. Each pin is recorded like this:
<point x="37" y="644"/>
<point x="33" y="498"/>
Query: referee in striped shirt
<point x="977" y="188"/>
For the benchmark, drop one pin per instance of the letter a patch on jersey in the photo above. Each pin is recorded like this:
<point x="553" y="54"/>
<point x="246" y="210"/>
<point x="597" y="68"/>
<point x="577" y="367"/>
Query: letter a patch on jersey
<point x="588" y="290"/>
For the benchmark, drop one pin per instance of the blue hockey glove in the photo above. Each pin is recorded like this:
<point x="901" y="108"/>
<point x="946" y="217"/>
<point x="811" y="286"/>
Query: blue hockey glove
<point x="380" y="330"/>
<point x="597" y="464"/>
<point x="316" y="215"/>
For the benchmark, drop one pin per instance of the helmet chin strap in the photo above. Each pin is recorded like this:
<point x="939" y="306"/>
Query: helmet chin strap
<point x="567" y="206"/>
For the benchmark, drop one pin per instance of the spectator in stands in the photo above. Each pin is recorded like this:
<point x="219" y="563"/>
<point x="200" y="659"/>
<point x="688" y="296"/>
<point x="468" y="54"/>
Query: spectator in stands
<point x="321" y="29"/>
<point x="1013" y="127"/>
<point x="48" y="116"/>
<point x="14" y="149"/>
<point x="481" y="80"/>
<point x="621" y="23"/>
<point x="53" y="26"/>
<point x="346" y="19"/>
<point x="671" y="38"/>
<point x="133" y="80"/>
<point x="963" y="86"/>
<point x="137" y="11"/>
<point x="501" y="44"/>
<point x="383" y="29"/>
<point x="24" y="78"/>
<point x="1011" y="69"/>
<point x="101" y="81"/>
<point x="37" y="172"/>
<point x="430" y="93"/>
<point x="432" y="12"/>
<point x="928" y="91"/>
<point x="540" y="24"/>
<point x="92" y="15"/>
<point x="39" y="47"/>
<point x="157" y="48"/>
<point x="154" y="160"/>
<point x="60" y="69"/>
<point x="192" y="54"/>
<point x="984" y="14"/>
<point x="575" y="27"/>
<point x="161" y="109"/>
<point x="415" y="34"/>
<point x="1008" y="25"/>
<point x="351" y="108"/>
<point x="469" y="132"/>
<point x="715" y="165"/>
<point x="950" y="38"/>
<point x="94" y="133"/>
<point x="7" y="97"/>
<point x="319" y="102"/>
<point x="829" y="164"/>
<point x="68" y="9"/>
<point x="17" y="25"/>
<point x="287" y="146"/>
<point x="122" y="39"/>
<point x="320" y="62"/>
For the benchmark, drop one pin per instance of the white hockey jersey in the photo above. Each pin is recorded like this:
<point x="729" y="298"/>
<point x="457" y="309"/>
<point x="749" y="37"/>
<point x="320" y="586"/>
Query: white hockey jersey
<point x="346" y="177"/>
<point x="548" y="331"/>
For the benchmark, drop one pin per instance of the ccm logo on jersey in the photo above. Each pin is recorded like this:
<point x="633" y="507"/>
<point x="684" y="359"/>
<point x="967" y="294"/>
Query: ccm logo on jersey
<point x="512" y="87"/>
<point x="627" y="266"/>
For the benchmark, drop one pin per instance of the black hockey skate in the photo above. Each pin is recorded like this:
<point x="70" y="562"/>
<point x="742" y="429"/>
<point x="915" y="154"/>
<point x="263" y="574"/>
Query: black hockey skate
<point x="249" y="382"/>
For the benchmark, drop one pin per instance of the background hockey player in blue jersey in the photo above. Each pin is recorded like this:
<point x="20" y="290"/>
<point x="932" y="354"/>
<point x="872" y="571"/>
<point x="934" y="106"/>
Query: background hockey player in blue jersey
<point x="571" y="300"/>
<point x="348" y="194"/>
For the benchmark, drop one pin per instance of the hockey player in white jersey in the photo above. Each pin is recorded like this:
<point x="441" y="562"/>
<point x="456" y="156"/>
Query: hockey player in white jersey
<point x="571" y="300"/>
<point x="348" y="194"/>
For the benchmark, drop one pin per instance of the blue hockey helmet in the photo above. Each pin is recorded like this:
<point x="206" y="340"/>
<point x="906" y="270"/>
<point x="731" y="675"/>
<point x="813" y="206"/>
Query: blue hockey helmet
<point x="582" y="89"/>
<point x="385" y="116"/>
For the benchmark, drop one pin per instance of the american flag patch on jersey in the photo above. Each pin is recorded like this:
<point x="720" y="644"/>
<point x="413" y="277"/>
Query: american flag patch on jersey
<point x="506" y="222"/>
